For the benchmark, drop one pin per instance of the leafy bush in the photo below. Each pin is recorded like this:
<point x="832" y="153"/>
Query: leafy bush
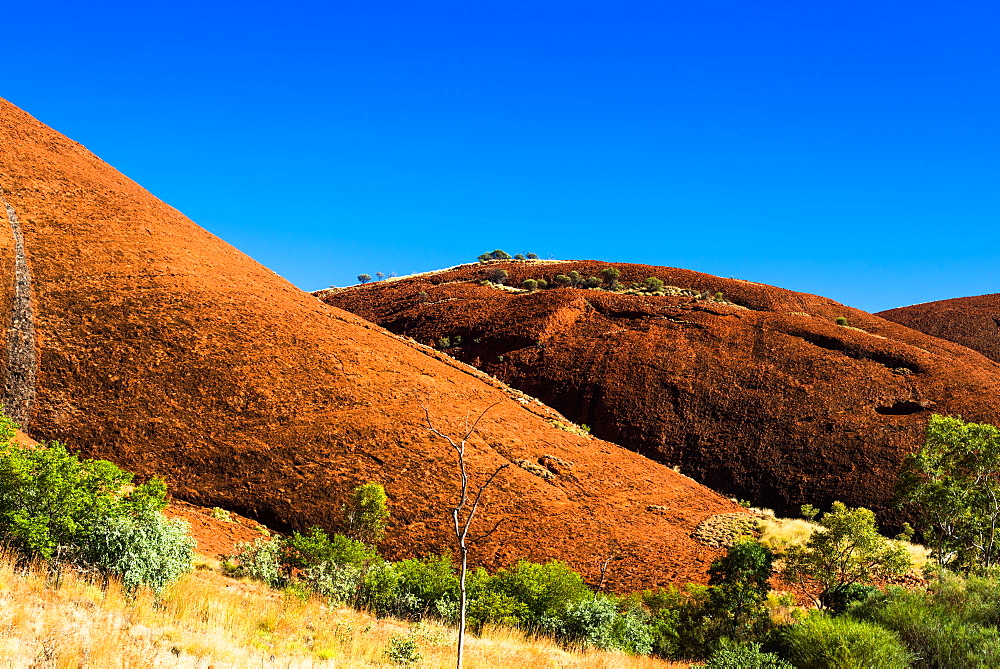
<point x="367" y="510"/>
<point x="591" y="282"/>
<point x="952" y="625"/>
<point x="610" y="275"/>
<point x="845" y="550"/>
<point x="822" y="641"/>
<point x="589" y="622"/>
<point x="740" y="587"/>
<point x="543" y="284"/>
<point x="54" y="506"/>
<point x="519" y="256"/>
<point x="575" y="278"/>
<point x="403" y="650"/>
<point x="547" y="590"/>
<point x="563" y="281"/>
<point x="532" y="256"/>
<point x="732" y="655"/>
<point x="496" y="276"/>
<point x="260" y="560"/>
<point x="652" y="285"/>
<point x="951" y="483"/>
<point x="364" y="278"/>
<point x="443" y="343"/>
<point x="842" y="320"/>
<point x="140" y="550"/>
<point x="530" y="285"/>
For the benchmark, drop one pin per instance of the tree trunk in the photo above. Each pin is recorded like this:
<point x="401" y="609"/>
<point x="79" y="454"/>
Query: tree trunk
<point x="462" y="607"/>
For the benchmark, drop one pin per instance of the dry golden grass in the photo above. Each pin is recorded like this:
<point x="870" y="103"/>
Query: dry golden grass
<point x="209" y="620"/>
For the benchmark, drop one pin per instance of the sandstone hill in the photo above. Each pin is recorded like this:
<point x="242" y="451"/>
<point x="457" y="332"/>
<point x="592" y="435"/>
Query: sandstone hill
<point x="757" y="392"/>
<point x="139" y="337"/>
<point x="970" y="321"/>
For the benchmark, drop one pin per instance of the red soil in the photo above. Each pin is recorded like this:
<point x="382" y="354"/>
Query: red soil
<point x="770" y="400"/>
<point x="969" y="321"/>
<point x="165" y="350"/>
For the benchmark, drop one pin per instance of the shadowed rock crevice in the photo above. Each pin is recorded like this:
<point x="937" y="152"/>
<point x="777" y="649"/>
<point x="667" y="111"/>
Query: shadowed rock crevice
<point x="22" y="363"/>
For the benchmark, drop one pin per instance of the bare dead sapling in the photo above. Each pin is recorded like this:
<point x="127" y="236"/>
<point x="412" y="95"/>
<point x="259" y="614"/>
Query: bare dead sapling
<point x="464" y="512"/>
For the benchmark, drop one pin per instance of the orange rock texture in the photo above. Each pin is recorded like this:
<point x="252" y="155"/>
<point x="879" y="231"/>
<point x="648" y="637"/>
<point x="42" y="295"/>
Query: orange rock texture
<point x="970" y="321"/>
<point x="164" y="349"/>
<point x="753" y="390"/>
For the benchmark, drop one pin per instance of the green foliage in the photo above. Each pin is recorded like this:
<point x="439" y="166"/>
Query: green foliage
<point x="610" y="275"/>
<point x="364" y="278"/>
<point x="563" y="281"/>
<point x="484" y="257"/>
<point x="500" y="255"/>
<point x="221" y="514"/>
<point x="547" y="590"/>
<point x="652" y="285"/>
<point x="443" y="343"/>
<point x="367" y="510"/>
<point x="403" y="650"/>
<point x="146" y="549"/>
<point x="953" y="625"/>
<point x="532" y="256"/>
<point x="845" y="550"/>
<point x="497" y="276"/>
<point x="740" y="586"/>
<point x="542" y="284"/>
<point x="54" y="506"/>
<point x="953" y="482"/>
<point x="530" y="285"/>
<point x="842" y="320"/>
<point x="334" y="567"/>
<point x="732" y="655"/>
<point x="575" y="278"/>
<point x="822" y="641"/>
<point x="519" y="256"/>
<point x="591" y="282"/>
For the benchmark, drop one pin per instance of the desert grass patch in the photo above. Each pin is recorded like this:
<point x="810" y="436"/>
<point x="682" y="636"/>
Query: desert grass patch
<point x="209" y="618"/>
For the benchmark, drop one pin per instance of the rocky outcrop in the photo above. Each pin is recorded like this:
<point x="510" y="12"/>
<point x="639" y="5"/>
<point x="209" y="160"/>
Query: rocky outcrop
<point x="751" y="389"/>
<point x="166" y="350"/>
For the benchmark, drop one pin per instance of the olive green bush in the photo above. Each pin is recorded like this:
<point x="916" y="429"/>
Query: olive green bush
<point x="822" y="641"/>
<point x="88" y="514"/>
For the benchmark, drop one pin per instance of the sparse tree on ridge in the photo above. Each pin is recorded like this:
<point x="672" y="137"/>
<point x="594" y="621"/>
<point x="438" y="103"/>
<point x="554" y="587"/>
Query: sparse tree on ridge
<point x="364" y="278"/>
<point x="380" y="275"/>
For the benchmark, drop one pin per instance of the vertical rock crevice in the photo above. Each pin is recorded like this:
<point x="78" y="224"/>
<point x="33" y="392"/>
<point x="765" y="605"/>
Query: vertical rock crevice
<point x="22" y="361"/>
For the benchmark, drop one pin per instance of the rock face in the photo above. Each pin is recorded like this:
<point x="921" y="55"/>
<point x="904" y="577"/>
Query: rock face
<point x="757" y="392"/>
<point x="160" y="347"/>
<point x="970" y="321"/>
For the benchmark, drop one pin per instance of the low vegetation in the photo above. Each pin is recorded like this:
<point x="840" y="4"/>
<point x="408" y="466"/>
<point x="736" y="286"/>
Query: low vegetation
<point x="83" y="537"/>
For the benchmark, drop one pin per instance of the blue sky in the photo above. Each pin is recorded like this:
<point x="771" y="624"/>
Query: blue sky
<point x="847" y="149"/>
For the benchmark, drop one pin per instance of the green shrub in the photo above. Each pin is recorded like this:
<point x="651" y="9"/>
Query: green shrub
<point x="532" y="256"/>
<point x="444" y="342"/>
<point x="364" y="278"/>
<point x="367" y="510"/>
<point x="403" y="650"/>
<point x="575" y="278"/>
<point x="498" y="276"/>
<point x="952" y="625"/>
<point x="732" y="655"/>
<point x="591" y="282"/>
<point x="563" y="281"/>
<point x="530" y="285"/>
<point x="842" y="320"/>
<point x="652" y="285"/>
<point x="547" y="590"/>
<point x="260" y="560"/>
<point x="519" y="256"/>
<point x="822" y="641"/>
<point x="543" y="284"/>
<point x="54" y="506"/>
<point x="589" y="622"/>
<point x="610" y="275"/>
<point x="147" y="549"/>
<point x="483" y="257"/>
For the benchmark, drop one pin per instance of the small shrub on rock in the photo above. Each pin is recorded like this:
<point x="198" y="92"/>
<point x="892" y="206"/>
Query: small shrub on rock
<point x="530" y="285"/>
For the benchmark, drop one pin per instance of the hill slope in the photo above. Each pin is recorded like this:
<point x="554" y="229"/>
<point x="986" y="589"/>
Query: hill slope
<point x="970" y="321"/>
<point x="760" y="394"/>
<point x="139" y="337"/>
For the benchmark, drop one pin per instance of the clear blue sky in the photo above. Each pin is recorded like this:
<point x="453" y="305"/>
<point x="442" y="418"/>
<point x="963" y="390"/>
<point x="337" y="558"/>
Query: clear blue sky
<point x="849" y="149"/>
